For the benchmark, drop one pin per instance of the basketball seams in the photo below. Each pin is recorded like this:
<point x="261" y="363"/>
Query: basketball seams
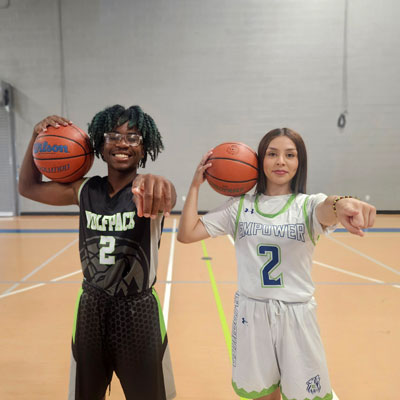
<point x="233" y="170"/>
<point x="230" y="181"/>
<point x="62" y="158"/>
<point x="242" y="145"/>
<point x="81" y="133"/>
<point x="232" y="159"/>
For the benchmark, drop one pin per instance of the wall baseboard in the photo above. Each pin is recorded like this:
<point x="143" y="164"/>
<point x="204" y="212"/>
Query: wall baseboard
<point x="388" y="212"/>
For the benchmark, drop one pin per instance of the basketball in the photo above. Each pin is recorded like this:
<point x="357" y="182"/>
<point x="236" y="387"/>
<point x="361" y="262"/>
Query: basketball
<point x="63" y="154"/>
<point x="234" y="169"/>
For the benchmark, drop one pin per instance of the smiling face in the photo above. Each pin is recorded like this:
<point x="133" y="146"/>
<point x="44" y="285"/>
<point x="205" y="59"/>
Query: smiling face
<point x="280" y="165"/>
<point x="121" y="156"/>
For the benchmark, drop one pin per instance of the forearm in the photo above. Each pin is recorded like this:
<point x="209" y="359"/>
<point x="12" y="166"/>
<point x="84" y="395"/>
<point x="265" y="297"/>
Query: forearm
<point x="191" y="229"/>
<point x="173" y="197"/>
<point x="325" y="213"/>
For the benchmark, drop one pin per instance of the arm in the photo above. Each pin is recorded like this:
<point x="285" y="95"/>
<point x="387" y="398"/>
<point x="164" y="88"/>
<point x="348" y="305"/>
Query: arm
<point x="30" y="183"/>
<point x="191" y="229"/>
<point x="153" y="194"/>
<point x="353" y="214"/>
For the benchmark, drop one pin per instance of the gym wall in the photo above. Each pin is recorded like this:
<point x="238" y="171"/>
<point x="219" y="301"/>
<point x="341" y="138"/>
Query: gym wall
<point x="218" y="70"/>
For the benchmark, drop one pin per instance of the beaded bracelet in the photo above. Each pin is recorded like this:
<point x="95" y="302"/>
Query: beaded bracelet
<point x="337" y="199"/>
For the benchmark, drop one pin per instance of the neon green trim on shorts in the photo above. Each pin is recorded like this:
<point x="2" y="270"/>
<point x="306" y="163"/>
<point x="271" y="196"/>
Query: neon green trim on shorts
<point x="160" y="316"/>
<point x="328" y="396"/>
<point x="254" y="394"/>
<point x="76" y="313"/>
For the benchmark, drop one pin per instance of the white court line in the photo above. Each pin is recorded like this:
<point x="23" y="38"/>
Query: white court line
<point x="334" y="396"/>
<point x="37" y="269"/>
<point x="39" y="284"/>
<point x="167" y="288"/>
<point x="167" y="294"/>
<point x="352" y="273"/>
<point x="381" y="264"/>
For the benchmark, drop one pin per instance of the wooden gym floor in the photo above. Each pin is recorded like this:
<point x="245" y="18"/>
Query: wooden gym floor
<point x="357" y="290"/>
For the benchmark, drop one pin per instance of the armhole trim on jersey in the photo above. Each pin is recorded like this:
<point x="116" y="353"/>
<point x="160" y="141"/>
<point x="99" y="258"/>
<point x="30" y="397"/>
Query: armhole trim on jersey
<point x="307" y="219"/>
<point x="238" y="215"/>
<point x="80" y="189"/>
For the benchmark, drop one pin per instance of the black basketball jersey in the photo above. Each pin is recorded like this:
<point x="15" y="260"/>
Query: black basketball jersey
<point x="118" y="250"/>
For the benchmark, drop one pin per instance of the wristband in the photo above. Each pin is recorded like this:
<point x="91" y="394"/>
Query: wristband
<point x="337" y="199"/>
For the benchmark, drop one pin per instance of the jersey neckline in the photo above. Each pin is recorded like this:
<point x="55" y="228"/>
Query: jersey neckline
<point x="281" y="211"/>
<point x="117" y="194"/>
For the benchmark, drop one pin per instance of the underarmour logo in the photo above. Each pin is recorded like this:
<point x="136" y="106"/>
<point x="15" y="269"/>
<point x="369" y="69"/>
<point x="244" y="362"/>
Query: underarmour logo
<point x="247" y="210"/>
<point x="313" y="385"/>
<point x="244" y="322"/>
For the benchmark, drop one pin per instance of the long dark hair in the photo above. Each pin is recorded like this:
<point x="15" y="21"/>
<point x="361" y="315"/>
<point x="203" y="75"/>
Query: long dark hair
<point x="299" y="182"/>
<point x="115" y="116"/>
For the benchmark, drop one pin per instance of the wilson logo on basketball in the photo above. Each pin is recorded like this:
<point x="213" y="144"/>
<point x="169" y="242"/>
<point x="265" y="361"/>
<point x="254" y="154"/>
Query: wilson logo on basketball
<point x="47" y="148"/>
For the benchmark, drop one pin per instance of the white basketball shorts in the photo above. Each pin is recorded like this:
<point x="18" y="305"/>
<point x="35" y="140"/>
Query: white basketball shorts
<point x="278" y="344"/>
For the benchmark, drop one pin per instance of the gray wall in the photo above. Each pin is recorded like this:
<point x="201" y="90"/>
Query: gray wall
<point x="218" y="70"/>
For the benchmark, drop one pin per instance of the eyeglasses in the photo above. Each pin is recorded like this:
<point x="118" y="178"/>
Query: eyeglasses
<point x="132" y="139"/>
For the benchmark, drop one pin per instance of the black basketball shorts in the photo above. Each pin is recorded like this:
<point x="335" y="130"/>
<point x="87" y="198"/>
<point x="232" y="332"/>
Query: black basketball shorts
<point x="125" y="335"/>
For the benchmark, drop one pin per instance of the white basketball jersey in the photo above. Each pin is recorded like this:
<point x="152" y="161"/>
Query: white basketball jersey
<point x="274" y="238"/>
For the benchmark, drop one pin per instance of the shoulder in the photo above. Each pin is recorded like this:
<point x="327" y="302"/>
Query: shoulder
<point x="91" y="183"/>
<point x="249" y="197"/>
<point x="228" y="208"/>
<point x="236" y="203"/>
<point x="312" y="200"/>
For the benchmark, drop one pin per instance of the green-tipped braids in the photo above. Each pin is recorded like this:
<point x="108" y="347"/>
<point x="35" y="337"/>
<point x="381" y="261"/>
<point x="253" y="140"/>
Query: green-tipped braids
<point x="115" y="116"/>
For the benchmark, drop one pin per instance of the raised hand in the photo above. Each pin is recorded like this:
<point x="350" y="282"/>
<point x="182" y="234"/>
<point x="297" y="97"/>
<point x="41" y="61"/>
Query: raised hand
<point x="52" y="120"/>
<point x="199" y="177"/>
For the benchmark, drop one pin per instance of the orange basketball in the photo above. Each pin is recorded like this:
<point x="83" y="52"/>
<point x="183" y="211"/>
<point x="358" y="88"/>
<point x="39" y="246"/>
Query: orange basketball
<point x="234" y="169"/>
<point x="63" y="154"/>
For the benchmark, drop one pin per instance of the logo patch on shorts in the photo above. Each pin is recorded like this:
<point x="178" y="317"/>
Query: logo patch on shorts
<point x="314" y="385"/>
<point x="244" y="321"/>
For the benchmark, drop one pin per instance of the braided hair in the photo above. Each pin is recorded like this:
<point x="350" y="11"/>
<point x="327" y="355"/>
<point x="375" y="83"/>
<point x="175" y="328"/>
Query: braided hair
<point x="117" y="115"/>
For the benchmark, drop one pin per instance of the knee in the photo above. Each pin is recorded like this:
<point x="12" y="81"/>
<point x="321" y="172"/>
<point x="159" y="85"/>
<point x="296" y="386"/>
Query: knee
<point x="276" y="395"/>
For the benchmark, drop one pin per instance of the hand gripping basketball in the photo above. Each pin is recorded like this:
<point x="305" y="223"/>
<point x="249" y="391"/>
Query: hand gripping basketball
<point x="62" y="152"/>
<point x="234" y="169"/>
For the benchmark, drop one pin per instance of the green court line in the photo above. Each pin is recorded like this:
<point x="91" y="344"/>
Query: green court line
<point x="221" y="313"/>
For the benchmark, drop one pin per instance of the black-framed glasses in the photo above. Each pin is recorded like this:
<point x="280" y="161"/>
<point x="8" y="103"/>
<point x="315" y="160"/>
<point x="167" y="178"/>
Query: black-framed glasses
<point x="133" y="139"/>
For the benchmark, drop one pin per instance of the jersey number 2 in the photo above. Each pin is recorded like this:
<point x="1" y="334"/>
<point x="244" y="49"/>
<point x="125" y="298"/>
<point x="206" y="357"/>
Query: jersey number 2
<point x="273" y="253"/>
<point x="107" y="247"/>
